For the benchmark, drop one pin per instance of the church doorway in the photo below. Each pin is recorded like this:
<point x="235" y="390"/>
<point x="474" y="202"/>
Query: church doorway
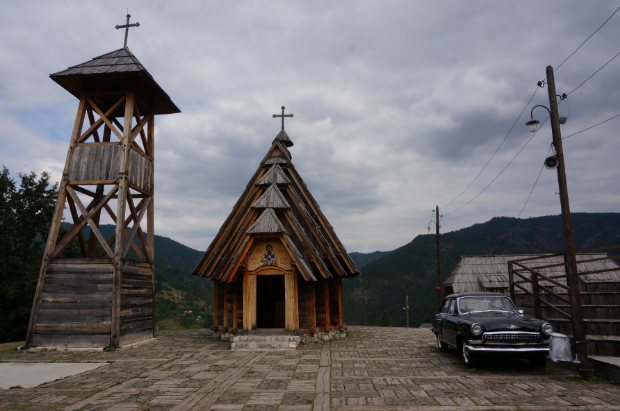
<point x="270" y="305"/>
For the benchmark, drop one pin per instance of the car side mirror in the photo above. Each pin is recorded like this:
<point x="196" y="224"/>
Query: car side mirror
<point x="521" y="311"/>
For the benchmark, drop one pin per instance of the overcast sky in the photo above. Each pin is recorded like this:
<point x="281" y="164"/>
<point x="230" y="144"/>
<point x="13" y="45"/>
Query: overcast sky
<point x="397" y="104"/>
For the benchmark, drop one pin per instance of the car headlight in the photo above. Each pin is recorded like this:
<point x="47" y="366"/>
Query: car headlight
<point x="476" y="329"/>
<point x="547" y="328"/>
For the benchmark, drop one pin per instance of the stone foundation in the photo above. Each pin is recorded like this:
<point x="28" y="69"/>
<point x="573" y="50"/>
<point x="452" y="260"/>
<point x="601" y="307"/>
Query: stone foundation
<point x="305" y="338"/>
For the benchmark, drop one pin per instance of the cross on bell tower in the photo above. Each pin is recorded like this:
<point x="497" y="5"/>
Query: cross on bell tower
<point x="126" y="27"/>
<point x="283" y="115"/>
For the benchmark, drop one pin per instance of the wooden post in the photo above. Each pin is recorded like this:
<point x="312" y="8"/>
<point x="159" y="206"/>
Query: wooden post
<point x="225" y="306"/>
<point x="234" y="323"/>
<point x="312" y="307"/>
<point x="407" y="308"/>
<point x="511" y="281"/>
<point x="536" y="292"/>
<point x="249" y="301"/>
<point x="289" y="298"/>
<point x="439" y="284"/>
<point x="572" y="274"/>
<point x="328" y="320"/>
<point x="215" y="286"/>
<point x="117" y="279"/>
<point x="341" y="313"/>
<point x="150" y="218"/>
<point x="56" y="220"/>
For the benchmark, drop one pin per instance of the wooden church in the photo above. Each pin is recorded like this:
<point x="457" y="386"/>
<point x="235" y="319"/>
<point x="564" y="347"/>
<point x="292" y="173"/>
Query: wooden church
<point x="104" y="298"/>
<point x="276" y="262"/>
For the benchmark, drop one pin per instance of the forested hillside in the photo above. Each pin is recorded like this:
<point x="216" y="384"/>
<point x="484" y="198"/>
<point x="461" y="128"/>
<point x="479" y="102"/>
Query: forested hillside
<point x="412" y="269"/>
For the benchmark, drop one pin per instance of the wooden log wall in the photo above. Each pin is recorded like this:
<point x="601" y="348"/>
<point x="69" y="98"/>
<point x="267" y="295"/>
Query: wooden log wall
<point x="335" y="302"/>
<point x="229" y="305"/>
<point x="239" y="302"/>
<point x="322" y="308"/>
<point x="219" y="296"/>
<point x="136" y="322"/>
<point x="98" y="162"/>
<point x="75" y="304"/>
<point x="306" y="306"/>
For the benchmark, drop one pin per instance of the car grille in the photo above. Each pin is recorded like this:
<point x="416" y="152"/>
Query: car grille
<point x="512" y="338"/>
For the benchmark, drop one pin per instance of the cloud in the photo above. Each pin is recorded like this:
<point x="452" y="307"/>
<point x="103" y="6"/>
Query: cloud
<point x="397" y="105"/>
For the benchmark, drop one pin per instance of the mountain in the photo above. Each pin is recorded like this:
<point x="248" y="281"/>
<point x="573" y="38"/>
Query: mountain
<point x="412" y="269"/>
<point x="361" y="259"/>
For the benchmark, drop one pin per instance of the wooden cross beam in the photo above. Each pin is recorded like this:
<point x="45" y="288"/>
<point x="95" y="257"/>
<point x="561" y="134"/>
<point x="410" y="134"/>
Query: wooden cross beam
<point x="282" y="115"/>
<point x="126" y="27"/>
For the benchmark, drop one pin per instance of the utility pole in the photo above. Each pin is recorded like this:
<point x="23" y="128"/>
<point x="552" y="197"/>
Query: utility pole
<point x="572" y="275"/>
<point x="438" y="256"/>
<point x="407" y="308"/>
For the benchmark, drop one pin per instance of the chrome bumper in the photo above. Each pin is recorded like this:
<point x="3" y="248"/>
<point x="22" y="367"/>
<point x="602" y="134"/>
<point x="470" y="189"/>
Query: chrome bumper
<point x="507" y="349"/>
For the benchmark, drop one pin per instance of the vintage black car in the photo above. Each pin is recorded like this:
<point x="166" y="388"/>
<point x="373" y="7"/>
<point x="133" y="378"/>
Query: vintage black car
<point x="488" y="323"/>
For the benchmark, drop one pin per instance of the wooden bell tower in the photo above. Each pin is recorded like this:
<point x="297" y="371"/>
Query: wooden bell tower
<point x="105" y="298"/>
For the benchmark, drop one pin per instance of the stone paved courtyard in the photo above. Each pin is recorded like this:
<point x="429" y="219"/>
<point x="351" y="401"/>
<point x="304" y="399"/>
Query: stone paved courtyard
<point x="372" y="369"/>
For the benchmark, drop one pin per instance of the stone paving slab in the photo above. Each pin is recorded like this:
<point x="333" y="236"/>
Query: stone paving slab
<point x="371" y="369"/>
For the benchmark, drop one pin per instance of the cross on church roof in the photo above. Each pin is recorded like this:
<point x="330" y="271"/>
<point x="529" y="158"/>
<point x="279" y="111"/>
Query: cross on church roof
<point x="282" y="115"/>
<point x="126" y="27"/>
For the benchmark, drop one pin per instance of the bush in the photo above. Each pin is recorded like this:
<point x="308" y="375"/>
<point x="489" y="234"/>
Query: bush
<point x="385" y="320"/>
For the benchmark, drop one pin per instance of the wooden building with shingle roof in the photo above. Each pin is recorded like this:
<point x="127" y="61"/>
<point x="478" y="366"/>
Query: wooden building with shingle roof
<point x="276" y="262"/>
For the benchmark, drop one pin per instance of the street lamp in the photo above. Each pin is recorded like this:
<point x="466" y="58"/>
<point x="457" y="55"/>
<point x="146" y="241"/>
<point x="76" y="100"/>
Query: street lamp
<point x="570" y="260"/>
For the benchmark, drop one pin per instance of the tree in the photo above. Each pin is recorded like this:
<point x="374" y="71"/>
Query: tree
<point x="25" y="215"/>
<point x="385" y="320"/>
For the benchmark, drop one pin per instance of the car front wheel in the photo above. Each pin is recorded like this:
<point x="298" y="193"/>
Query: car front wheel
<point x="539" y="360"/>
<point x="441" y="346"/>
<point x="469" y="358"/>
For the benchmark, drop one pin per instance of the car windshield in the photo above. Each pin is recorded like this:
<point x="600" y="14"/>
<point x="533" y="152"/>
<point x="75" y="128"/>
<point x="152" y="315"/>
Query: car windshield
<point x="485" y="303"/>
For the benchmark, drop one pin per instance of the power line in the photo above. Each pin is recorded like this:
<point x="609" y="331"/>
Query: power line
<point x="593" y="74"/>
<point x="523" y="208"/>
<point x="500" y="173"/>
<point x="586" y="129"/>
<point x="571" y="55"/>
<point x="500" y="146"/>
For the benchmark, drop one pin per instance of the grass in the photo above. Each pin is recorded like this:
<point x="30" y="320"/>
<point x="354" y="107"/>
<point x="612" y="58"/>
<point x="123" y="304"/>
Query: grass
<point x="12" y="346"/>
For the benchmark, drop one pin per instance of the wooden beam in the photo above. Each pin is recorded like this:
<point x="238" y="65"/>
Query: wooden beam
<point x="83" y="221"/>
<point x="215" y="286"/>
<point x="225" y="306"/>
<point x="117" y="278"/>
<point x="312" y="305"/>
<point x="340" y="313"/>
<point x="132" y="208"/>
<point x="135" y="227"/>
<point x="80" y="235"/>
<point x="92" y="241"/>
<point x="126" y="223"/>
<point x="328" y="321"/>
<point x="91" y="119"/>
<point x="85" y="191"/>
<point x="88" y="216"/>
<point x="104" y="117"/>
<point x="234" y="323"/>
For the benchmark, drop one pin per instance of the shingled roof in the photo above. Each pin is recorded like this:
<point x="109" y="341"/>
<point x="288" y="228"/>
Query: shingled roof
<point x="276" y="200"/>
<point x="118" y="70"/>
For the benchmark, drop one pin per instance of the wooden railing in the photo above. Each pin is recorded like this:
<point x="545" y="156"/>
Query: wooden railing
<point x="523" y="271"/>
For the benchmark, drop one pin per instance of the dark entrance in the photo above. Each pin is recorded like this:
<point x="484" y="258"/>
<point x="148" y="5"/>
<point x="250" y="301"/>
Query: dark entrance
<point x="270" y="301"/>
